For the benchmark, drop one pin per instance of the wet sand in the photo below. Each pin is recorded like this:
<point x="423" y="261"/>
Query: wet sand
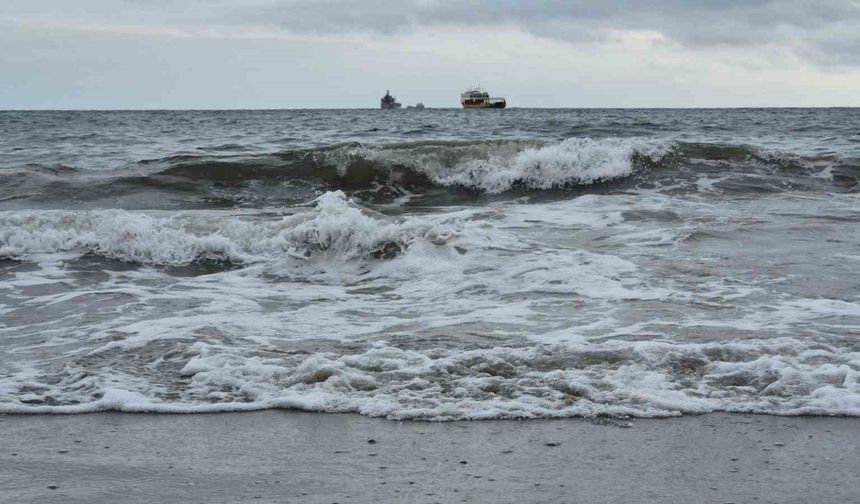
<point x="285" y="456"/>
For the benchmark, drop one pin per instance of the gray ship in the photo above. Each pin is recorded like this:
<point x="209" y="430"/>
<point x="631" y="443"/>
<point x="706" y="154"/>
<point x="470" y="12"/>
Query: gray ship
<point x="388" y="101"/>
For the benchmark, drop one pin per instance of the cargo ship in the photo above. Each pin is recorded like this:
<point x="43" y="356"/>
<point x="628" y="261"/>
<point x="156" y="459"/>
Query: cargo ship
<point x="477" y="97"/>
<point x="388" y="101"/>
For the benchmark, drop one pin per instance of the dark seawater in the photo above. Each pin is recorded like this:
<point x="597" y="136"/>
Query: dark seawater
<point x="431" y="264"/>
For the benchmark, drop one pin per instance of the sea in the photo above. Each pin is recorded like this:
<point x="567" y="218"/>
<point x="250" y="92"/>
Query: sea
<point x="436" y="264"/>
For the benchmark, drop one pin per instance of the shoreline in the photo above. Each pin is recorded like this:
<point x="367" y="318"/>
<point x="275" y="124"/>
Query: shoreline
<point x="288" y="456"/>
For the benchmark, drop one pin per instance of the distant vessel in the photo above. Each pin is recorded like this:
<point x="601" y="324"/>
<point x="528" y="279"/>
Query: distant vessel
<point x="418" y="105"/>
<point x="476" y="97"/>
<point x="388" y="101"/>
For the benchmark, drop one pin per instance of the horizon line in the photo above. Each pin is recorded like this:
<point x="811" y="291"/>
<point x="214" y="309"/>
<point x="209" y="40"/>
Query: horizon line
<point x="261" y="109"/>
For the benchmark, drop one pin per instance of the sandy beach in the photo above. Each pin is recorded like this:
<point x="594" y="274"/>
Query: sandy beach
<point x="286" y="456"/>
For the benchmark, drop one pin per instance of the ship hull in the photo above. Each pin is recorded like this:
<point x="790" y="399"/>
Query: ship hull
<point x="468" y="104"/>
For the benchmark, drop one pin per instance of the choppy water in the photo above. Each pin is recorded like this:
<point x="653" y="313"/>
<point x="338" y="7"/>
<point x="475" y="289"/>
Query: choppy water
<point x="434" y="264"/>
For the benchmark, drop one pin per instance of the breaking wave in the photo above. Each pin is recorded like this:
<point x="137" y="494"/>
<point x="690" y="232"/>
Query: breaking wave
<point x="335" y="226"/>
<point x="491" y="166"/>
<point x="495" y="168"/>
<point x="460" y="169"/>
<point x="647" y="379"/>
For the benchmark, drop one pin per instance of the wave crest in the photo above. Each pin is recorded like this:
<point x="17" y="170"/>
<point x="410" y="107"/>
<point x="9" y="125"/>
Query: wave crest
<point x="574" y="161"/>
<point x="499" y="167"/>
<point x="339" y="226"/>
<point x="335" y="226"/>
<point x="456" y="171"/>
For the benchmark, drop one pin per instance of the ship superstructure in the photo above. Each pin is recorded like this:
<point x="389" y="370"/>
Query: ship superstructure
<point x="477" y="97"/>
<point x="388" y="101"/>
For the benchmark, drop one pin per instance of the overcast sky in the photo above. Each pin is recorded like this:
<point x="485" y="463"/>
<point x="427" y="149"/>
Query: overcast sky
<point x="346" y="53"/>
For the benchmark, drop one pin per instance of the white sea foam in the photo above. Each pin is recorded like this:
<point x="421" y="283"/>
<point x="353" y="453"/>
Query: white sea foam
<point x="605" y="304"/>
<point x="647" y="379"/>
<point x="335" y="226"/>
<point x="133" y="237"/>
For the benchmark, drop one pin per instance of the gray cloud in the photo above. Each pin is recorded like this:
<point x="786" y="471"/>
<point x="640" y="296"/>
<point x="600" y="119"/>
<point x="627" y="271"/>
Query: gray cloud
<point x="826" y="31"/>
